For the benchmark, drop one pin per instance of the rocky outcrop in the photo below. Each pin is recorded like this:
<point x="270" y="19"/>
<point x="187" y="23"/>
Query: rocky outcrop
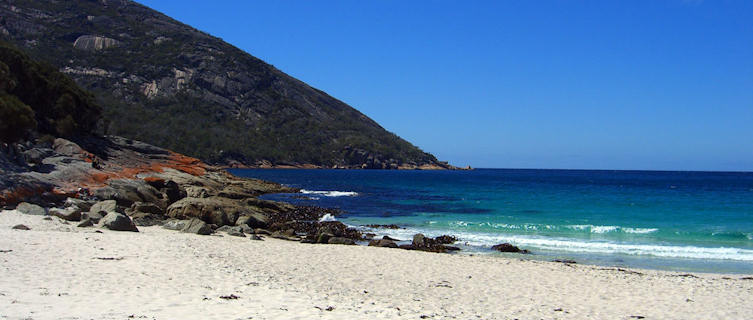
<point x="138" y="184"/>
<point x="438" y="244"/>
<point x="94" y="43"/>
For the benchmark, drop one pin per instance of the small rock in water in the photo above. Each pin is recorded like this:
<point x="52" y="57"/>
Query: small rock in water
<point x="20" y="227"/>
<point x="506" y="247"/>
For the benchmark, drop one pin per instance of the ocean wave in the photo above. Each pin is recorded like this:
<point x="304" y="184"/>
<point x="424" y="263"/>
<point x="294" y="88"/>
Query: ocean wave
<point x="587" y="228"/>
<point x="602" y="247"/>
<point x="607" y="229"/>
<point x="330" y="193"/>
<point x="531" y="242"/>
<point x="327" y="217"/>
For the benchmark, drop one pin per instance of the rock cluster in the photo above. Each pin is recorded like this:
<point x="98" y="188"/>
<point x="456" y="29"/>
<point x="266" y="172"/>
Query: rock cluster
<point x="135" y="184"/>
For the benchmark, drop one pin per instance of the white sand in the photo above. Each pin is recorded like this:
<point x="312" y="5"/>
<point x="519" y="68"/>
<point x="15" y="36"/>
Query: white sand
<point x="53" y="272"/>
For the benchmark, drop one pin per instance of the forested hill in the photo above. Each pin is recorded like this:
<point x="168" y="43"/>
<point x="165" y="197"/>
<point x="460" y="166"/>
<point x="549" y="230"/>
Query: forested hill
<point x="168" y="84"/>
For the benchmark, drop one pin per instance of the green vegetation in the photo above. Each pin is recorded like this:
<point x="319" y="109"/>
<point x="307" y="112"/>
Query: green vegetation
<point x="35" y="96"/>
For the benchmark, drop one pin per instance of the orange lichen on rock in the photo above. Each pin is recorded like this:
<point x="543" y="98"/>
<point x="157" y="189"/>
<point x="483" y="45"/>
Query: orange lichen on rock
<point x="18" y="194"/>
<point x="99" y="178"/>
<point x="187" y="164"/>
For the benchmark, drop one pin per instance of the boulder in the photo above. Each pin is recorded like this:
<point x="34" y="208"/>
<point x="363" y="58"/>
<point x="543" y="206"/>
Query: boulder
<point x="81" y="204"/>
<point x="128" y="191"/>
<point x="232" y="231"/>
<point x="68" y="214"/>
<point x="105" y="206"/>
<point x="262" y="231"/>
<point x="35" y="156"/>
<point x="146" y="207"/>
<point x="446" y="239"/>
<point x="216" y="210"/>
<point x="284" y="236"/>
<point x="252" y="219"/>
<point x="20" y="227"/>
<point x="118" y="222"/>
<point x="341" y="240"/>
<point x="175" y="224"/>
<point x="93" y="216"/>
<point x="173" y="191"/>
<point x="384" y="243"/>
<point x="85" y="223"/>
<point x="197" y="226"/>
<point x="67" y="148"/>
<point x="32" y="209"/>
<point x="246" y="229"/>
<point x="419" y="240"/>
<point x="324" y="237"/>
<point x="506" y="247"/>
<point x="145" y="219"/>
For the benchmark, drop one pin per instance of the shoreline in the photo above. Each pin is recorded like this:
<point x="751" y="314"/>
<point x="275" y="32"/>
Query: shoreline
<point x="162" y="274"/>
<point x="308" y="166"/>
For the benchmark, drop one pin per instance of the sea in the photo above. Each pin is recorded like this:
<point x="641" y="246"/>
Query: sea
<point x="666" y="220"/>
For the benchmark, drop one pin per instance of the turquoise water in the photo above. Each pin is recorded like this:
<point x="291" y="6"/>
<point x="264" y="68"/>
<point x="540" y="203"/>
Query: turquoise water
<point x="688" y="221"/>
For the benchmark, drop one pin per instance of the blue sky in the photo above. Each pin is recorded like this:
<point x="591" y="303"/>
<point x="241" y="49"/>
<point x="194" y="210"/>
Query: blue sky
<point x="520" y="84"/>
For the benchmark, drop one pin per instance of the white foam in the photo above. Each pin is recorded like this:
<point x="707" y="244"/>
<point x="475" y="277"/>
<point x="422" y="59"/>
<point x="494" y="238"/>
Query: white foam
<point x="327" y="217"/>
<point x="331" y="193"/>
<point x="639" y="230"/>
<point x="578" y="246"/>
<point x="606" y="229"/>
<point x="534" y="243"/>
<point x="603" y="229"/>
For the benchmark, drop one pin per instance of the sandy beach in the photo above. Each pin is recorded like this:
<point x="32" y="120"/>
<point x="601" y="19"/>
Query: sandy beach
<point x="59" y="271"/>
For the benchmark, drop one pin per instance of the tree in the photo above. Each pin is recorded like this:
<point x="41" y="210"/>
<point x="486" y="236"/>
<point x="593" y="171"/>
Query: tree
<point x="16" y="119"/>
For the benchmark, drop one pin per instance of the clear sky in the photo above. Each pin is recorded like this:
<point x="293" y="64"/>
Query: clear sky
<point x="520" y="84"/>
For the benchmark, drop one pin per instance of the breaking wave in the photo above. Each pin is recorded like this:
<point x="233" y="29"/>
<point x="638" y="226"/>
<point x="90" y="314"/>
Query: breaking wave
<point x="330" y="193"/>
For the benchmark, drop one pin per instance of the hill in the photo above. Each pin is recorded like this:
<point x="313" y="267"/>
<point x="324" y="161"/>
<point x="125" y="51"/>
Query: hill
<point x="168" y="84"/>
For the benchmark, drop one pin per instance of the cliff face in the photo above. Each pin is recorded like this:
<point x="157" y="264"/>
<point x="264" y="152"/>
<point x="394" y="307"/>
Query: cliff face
<point x="170" y="85"/>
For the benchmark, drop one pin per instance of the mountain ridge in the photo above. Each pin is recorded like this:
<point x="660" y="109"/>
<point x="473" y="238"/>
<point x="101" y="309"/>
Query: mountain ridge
<point x="171" y="85"/>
